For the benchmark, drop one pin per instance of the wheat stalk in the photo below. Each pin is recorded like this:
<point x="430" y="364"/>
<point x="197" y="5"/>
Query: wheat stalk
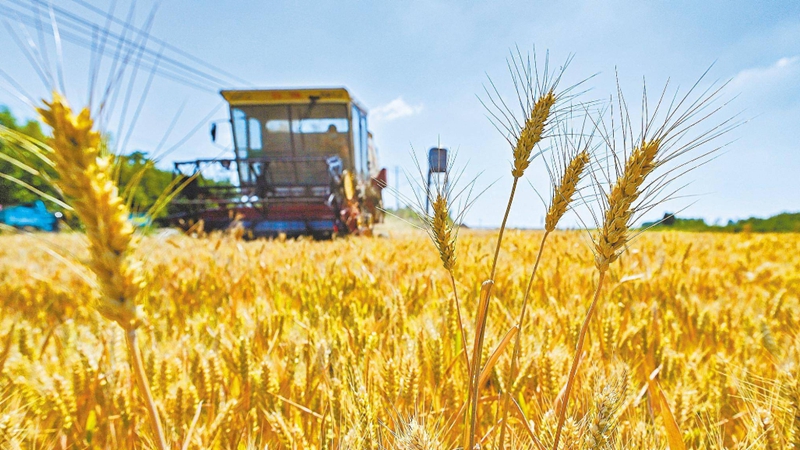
<point x="442" y="225"/>
<point x="538" y="105"/>
<point x="562" y="197"/>
<point x="794" y="414"/>
<point x="656" y="146"/>
<point x="85" y="178"/>
<point x="613" y="237"/>
<point x="444" y="238"/>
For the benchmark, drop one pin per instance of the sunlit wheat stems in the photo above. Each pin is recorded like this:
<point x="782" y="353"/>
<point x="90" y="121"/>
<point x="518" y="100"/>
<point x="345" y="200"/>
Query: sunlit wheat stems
<point x="562" y="197"/>
<point x="611" y="242"/>
<point x="480" y="330"/>
<point x="461" y="325"/>
<point x="444" y="239"/>
<point x="517" y="345"/>
<point x="794" y="418"/>
<point x="574" y="369"/>
<point x="144" y="387"/>
<point x="529" y="136"/>
<point x="85" y="178"/>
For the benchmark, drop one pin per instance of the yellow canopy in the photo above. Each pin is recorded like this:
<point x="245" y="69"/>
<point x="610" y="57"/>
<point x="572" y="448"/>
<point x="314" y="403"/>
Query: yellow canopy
<point x="284" y="96"/>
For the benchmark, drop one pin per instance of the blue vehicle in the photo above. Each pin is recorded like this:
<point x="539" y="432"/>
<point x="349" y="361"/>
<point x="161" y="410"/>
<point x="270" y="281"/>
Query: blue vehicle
<point x="140" y="220"/>
<point x="30" y="216"/>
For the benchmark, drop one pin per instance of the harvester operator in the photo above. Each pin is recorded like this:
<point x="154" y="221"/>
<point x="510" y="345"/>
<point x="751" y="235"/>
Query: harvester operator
<point x="335" y="143"/>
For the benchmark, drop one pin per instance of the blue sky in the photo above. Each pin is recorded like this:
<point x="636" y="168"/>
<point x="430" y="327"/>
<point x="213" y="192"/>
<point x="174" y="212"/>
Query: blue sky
<point x="418" y="67"/>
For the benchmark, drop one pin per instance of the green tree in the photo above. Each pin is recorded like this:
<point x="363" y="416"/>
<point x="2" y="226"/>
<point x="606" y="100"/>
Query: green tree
<point x="142" y="181"/>
<point x="10" y="191"/>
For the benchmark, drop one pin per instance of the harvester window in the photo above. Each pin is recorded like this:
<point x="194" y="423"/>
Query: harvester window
<point x="254" y="133"/>
<point x="321" y="129"/>
<point x="277" y="126"/>
<point x="360" y="140"/>
<point x="364" y="149"/>
<point x="240" y="132"/>
<point x="262" y="129"/>
<point x="311" y="126"/>
<point x="293" y="131"/>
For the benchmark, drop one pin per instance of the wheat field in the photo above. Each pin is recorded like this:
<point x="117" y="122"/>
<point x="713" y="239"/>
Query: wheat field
<point x="354" y="343"/>
<point x="439" y="338"/>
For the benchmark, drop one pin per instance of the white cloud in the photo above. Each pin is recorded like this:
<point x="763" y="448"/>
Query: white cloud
<point x="767" y="77"/>
<point x="394" y="110"/>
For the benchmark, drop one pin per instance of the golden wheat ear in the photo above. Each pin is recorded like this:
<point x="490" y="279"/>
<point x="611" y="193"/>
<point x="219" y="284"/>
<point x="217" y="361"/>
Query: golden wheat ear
<point x="416" y="432"/>
<point x="523" y="129"/>
<point x="569" y="162"/>
<point x="601" y="426"/>
<point x="450" y="199"/>
<point x="619" y="207"/>
<point x="541" y="104"/>
<point x="538" y="96"/>
<point x="666" y="135"/>
<point x="85" y="176"/>
<point x="640" y="168"/>
<point x="563" y="194"/>
<point x="442" y="205"/>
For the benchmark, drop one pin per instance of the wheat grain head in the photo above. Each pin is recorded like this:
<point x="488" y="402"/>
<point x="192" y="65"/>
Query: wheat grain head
<point x="565" y="190"/>
<point x="626" y="191"/>
<point x="85" y="178"/>
<point x="633" y="183"/>
<point x="539" y="107"/>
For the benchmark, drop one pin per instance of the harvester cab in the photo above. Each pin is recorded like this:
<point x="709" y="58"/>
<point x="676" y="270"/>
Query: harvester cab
<point x="304" y="164"/>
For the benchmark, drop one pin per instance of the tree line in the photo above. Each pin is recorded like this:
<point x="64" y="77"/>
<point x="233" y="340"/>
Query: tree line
<point x="143" y="183"/>
<point x="780" y="223"/>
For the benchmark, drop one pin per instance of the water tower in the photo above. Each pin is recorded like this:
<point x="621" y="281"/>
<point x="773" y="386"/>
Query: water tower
<point x="437" y="167"/>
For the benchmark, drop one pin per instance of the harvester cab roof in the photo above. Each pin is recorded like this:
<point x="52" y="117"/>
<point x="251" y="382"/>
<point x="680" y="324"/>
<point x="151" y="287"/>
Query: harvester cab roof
<point x="304" y="163"/>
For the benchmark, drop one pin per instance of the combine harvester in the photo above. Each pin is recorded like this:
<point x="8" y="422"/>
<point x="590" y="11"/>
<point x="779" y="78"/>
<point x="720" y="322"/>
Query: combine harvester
<point x="304" y="164"/>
